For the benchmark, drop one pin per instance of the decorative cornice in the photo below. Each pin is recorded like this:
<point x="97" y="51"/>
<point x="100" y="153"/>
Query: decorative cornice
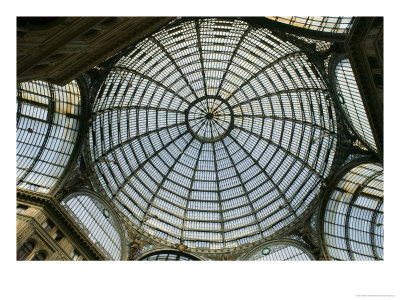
<point x="75" y="234"/>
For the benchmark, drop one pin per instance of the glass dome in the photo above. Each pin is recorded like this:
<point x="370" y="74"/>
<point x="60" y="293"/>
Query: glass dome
<point x="212" y="133"/>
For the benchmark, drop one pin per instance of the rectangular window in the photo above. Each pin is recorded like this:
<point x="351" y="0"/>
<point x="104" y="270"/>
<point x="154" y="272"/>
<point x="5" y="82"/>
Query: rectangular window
<point x="48" y="225"/>
<point x="21" y="208"/>
<point x="59" y="236"/>
<point x="75" y="255"/>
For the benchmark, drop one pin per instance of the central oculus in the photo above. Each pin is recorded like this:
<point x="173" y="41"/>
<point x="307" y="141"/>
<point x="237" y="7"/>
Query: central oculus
<point x="209" y="119"/>
<point x="209" y="116"/>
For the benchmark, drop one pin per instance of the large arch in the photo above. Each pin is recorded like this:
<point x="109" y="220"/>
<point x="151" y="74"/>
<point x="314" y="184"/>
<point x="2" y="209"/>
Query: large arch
<point x="99" y="221"/>
<point x="351" y="218"/>
<point x="349" y="99"/>
<point x="280" y="250"/>
<point x="50" y="125"/>
<point x="168" y="255"/>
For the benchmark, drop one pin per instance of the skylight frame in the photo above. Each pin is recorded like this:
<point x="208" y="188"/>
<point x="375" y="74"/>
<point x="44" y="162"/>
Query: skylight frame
<point x="305" y="84"/>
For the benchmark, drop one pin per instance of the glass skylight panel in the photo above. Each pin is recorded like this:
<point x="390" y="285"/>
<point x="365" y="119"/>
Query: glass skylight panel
<point x="352" y="103"/>
<point x="285" y="250"/>
<point x="353" y="220"/>
<point x="97" y="221"/>
<point x="340" y="25"/>
<point x="47" y="128"/>
<point x="168" y="256"/>
<point x="216" y="140"/>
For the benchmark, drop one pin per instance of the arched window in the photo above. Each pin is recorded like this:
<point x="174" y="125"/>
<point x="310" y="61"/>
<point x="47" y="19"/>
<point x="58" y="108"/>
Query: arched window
<point x="169" y="255"/>
<point x="97" y="221"/>
<point x="39" y="256"/>
<point x="25" y="250"/>
<point x="280" y="250"/>
<point x="352" y="103"/>
<point x="353" y="218"/>
<point x="47" y="129"/>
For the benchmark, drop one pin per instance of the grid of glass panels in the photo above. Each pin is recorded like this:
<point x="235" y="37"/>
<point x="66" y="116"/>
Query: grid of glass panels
<point x="352" y="103"/>
<point x="47" y="129"/>
<point x="281" y="251"/>
<point x="239" y="189"/>
<point x="97" y="221"/>
<point x="326" y="24"/>
<point x="209" y="119"/>
<point x="353" y="222"/>
<point x="168" y="256"/>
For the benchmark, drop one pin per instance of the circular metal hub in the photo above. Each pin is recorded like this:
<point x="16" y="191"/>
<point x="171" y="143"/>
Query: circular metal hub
<point x="209" y="119"/>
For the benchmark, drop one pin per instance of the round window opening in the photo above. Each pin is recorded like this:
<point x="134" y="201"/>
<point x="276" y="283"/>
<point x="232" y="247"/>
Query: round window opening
<point x="106" y="213"/>
<point x="209" y="119"/>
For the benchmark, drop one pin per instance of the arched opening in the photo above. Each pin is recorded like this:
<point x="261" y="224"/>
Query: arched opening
<point x="25" y="250"/>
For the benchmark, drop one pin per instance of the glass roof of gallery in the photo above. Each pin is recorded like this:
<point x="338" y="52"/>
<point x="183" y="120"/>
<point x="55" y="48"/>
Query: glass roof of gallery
<point x="212" y="133"/>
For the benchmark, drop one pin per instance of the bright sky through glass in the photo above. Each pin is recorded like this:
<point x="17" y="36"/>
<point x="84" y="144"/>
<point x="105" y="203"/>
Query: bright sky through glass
<point x="47" y="128"/>
<point x="352" y="102"/>
<point x="326" y="24"/>
<point x="353" y="223"/>
<point x="280" y="251"/>
<point x="255" y="178"/>
<point x="95" y="219"/>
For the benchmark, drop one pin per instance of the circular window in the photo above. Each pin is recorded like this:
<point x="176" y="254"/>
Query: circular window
<point x="212" y="133"/>
<point x="209" y="119"/>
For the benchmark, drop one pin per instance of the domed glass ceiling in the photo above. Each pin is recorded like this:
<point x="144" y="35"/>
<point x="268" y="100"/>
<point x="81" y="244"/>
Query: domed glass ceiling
<point x="212" y="133"/>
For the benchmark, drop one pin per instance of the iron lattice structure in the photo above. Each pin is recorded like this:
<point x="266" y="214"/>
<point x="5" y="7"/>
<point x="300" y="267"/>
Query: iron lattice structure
<point x="226" y="138"/>
<point x="280" y="250"/>
<point x="213" y="133"/>
<point x="353" y="215"/>
<point x="48" y="123"/>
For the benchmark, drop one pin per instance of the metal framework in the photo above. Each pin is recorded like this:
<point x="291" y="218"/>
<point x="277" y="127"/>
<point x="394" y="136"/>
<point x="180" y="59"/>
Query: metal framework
<point x="168" y="255"/>
<point x="326" y="24"/>
<point x="353" y="217"/>
<point x="212" y="133"/>
<point x="98" y="221"/>
<point x="350" y="100"/>
<point x="280" y="250"/>
<point x="48" y="125"/>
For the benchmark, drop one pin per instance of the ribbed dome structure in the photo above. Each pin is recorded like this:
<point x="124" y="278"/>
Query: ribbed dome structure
<point x="212" y="133"/>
